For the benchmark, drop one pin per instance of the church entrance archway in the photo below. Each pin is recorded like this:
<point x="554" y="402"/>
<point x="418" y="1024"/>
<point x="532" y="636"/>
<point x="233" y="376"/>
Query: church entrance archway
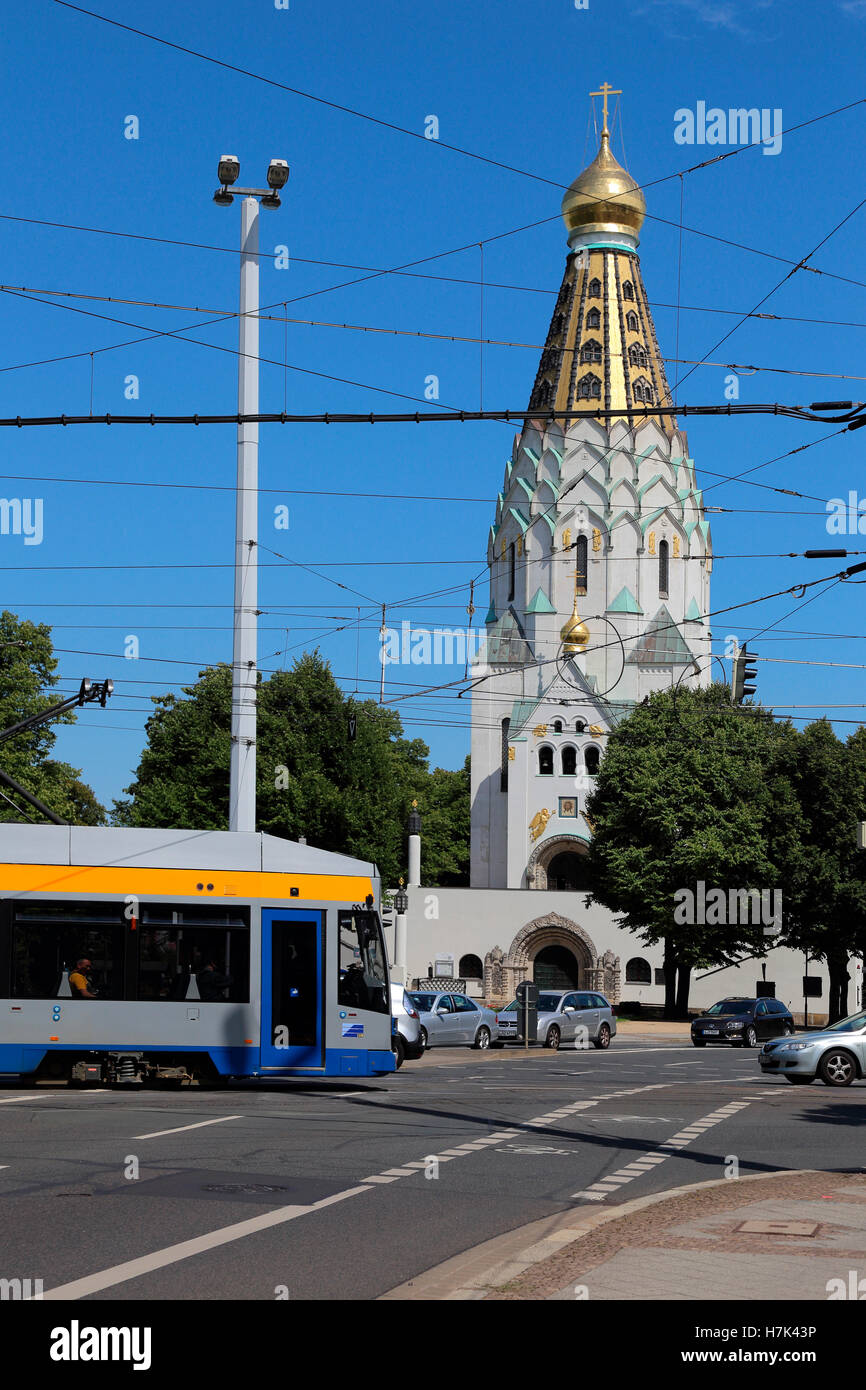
<point x="556" y="967"/>
<point x="568" y="853"/>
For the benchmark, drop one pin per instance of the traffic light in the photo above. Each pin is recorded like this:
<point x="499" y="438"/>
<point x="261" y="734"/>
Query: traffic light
<point x="743" y="676"/>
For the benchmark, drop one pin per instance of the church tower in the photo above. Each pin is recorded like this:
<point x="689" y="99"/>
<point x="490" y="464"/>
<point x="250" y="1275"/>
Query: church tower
<point x="599" y="555"/>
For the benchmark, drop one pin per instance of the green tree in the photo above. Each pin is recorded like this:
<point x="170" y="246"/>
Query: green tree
<point x="348" y="795"/>
<point x="691" y="790"/>
<point x="27" y="680"/>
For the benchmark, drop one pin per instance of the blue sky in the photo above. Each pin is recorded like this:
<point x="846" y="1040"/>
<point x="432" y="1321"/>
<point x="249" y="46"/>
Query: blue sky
<point x="507" y="80"/>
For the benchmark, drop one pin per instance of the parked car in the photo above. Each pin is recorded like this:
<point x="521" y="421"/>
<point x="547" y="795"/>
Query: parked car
<point x="452" y="1020"/>
<point x="407" y="1040"/>
<point x="561" y="1012"/>
<point x="837" y="1054"/>
<point x="742" y="1022"/>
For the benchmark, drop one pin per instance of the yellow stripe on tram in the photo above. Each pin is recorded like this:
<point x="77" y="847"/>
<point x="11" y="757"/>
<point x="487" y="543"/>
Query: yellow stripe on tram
<point x="85" y="880"/>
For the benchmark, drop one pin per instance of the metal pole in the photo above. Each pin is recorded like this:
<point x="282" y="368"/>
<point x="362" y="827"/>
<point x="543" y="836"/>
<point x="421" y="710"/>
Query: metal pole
<point x="242" y="793"/>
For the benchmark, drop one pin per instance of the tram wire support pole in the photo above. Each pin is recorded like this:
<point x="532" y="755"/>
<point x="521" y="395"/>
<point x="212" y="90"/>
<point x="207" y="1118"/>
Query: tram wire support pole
<point x="242" y="787"/>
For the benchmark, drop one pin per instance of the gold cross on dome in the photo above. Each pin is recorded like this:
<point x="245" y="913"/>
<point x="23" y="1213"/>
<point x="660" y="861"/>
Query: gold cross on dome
<point x="606" y="91"/>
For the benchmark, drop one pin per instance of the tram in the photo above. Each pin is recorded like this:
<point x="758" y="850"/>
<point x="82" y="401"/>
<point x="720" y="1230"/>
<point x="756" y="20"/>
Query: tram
<point x="184" y="956"/>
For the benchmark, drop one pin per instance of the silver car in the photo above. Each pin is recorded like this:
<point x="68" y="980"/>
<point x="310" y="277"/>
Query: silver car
<point x="566" y="1016"/>
<point x="407" y="1039"/>
<point x="452" y="1020"/>
<point x="837" y="1054"/>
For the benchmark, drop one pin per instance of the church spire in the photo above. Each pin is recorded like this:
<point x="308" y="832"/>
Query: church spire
<point x="601" y="346"/>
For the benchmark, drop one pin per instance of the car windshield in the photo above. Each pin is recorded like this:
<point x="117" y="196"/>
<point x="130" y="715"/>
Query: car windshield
<point x="731" y="1006"/>
<point x="854" y="1024"/>
<point x="424" y="1002"/>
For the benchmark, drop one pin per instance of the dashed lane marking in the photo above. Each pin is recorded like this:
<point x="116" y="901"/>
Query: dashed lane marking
<point x="597" y="1191"/>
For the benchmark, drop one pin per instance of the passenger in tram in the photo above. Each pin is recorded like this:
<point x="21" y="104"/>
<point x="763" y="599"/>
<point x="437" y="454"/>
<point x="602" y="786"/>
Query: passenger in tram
<point x="80" y="981"/>
<point x="212" y="984"/>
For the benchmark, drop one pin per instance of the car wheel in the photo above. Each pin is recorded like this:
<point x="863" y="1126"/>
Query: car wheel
<point x="482" y="1038"/>
<point x="399" y="1051"/>
<point x="837" y="1068"/>
<point x="552" y="1039"/>
<point x="750" y="1038"/>
<point x="603" y="1039"/>
<point x="422" y="1039"/>
<point x="699" y="1042"/>
<point x="800" y="1080"/>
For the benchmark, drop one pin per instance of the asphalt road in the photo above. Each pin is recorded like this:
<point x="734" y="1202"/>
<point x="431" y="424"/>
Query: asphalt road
<point x="325" y="1190"/>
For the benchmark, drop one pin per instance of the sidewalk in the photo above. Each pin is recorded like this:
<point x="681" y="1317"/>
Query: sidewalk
<point x="689" y="1243"/>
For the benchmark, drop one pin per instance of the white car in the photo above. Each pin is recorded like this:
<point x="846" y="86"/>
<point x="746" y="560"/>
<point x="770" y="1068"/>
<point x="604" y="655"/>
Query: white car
<point x="452" y="1020"/>
<point x="562" y="1014"/>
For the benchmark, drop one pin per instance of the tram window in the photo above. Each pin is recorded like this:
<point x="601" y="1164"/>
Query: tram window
<point x="363" y="975"/>
<point x="48" y="940"/>
<point x="191" y="953"/>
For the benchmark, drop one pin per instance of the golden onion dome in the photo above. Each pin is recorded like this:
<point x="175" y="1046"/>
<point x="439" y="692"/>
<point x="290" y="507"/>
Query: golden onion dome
<point x="604" y="198"/>
<point x="574" y="634"/>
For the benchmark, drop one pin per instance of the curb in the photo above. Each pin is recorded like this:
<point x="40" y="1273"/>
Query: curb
<point x="486" y="1268"/>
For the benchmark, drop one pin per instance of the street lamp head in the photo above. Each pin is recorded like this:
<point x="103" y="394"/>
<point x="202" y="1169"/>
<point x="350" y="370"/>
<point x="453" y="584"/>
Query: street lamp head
<point x="271" y="200"/>
<point x="278" y="174"/>
<point x="229" y="168"/>
<point x="223" y="198"/>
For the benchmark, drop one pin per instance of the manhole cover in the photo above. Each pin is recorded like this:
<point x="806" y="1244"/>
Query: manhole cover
<point x="779" y="1228"/>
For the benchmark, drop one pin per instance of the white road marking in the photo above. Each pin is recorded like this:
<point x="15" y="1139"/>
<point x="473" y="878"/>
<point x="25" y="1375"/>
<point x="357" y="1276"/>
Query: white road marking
<point x="39" y="1095"/>
<point x="158" y="1133"/>
<point x="679" y="1141"/>
<point x="134" y="1269"/>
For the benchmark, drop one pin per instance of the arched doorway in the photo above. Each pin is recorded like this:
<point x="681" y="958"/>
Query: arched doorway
<point x="555" y="967"/>
<point x="567" y="871"/>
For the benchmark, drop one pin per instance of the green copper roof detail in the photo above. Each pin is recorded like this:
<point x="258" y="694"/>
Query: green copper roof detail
<point x="654" y="516"/>
<point x="693" y="613"/>
<point x="625" y="602"/>
<point x="522" y="521"/>
<point x="491" y="615"/>
<point x="521" y="482"/>
<point x="540" y="603"/>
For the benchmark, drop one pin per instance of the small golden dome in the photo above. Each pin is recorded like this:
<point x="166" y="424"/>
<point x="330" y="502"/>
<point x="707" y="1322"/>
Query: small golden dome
<point x="574" y="634"/>
<point x="604" y="198"/>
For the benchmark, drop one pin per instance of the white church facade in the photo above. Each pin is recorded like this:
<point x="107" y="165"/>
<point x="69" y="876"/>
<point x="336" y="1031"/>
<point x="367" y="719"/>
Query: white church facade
<point x="600" y="558"/>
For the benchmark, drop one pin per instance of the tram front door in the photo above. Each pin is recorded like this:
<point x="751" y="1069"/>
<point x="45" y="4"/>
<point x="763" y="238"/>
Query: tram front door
<point x="292" y="989"/>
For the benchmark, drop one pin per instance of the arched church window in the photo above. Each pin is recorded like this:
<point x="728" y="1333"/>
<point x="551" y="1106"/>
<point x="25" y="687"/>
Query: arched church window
<point x="545" y="762"/>
<point x="592" y="758"/>
<point x="631" y="322"/>
<point x="664" y="568"/>
<point x="591" y="351"/>
<point x="627" y="289"/>
<point x="637" y="355"/>
<point x="569" y="761"/>
<point x="471" y="968"/>
<point x="542" y="394"/>
<point x="503" y="759"/>
<point x="637" y="971"/>
<point x="589" y="387"/>
<point x="642" y="391"/>
<point x="593" y="319"/>
<point x="637" y="390"/>
<point x="557" y="726"/>
<point x="593" y="289"/>
<point x="580" y="564"/>
<point x="580" y="726"/>
<point x="511" y="570"/>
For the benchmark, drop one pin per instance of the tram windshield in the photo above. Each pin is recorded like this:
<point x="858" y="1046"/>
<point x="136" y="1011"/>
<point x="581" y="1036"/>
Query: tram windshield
<point x="363" y="980"/>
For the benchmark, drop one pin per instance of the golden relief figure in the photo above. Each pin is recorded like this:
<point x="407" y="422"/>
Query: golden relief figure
<point x="596" y="538"/>
<point x="596" y="729"/>
<point x="540" y="730"/>
<point x="519" y="545"/>
<point x="538" y="824"/>
<point x="511" y="753"/>
<point x="652" y="542"/>
<point x="676" y="545"/>
<point x="566" y="538"/>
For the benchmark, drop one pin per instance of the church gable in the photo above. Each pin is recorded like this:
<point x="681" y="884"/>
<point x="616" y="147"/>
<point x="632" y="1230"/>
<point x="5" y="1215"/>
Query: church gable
<point x="663" y="644"/>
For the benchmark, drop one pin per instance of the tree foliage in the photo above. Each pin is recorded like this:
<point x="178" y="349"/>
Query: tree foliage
<point x="27" y="680"/>
<point x="348" y="795"/>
